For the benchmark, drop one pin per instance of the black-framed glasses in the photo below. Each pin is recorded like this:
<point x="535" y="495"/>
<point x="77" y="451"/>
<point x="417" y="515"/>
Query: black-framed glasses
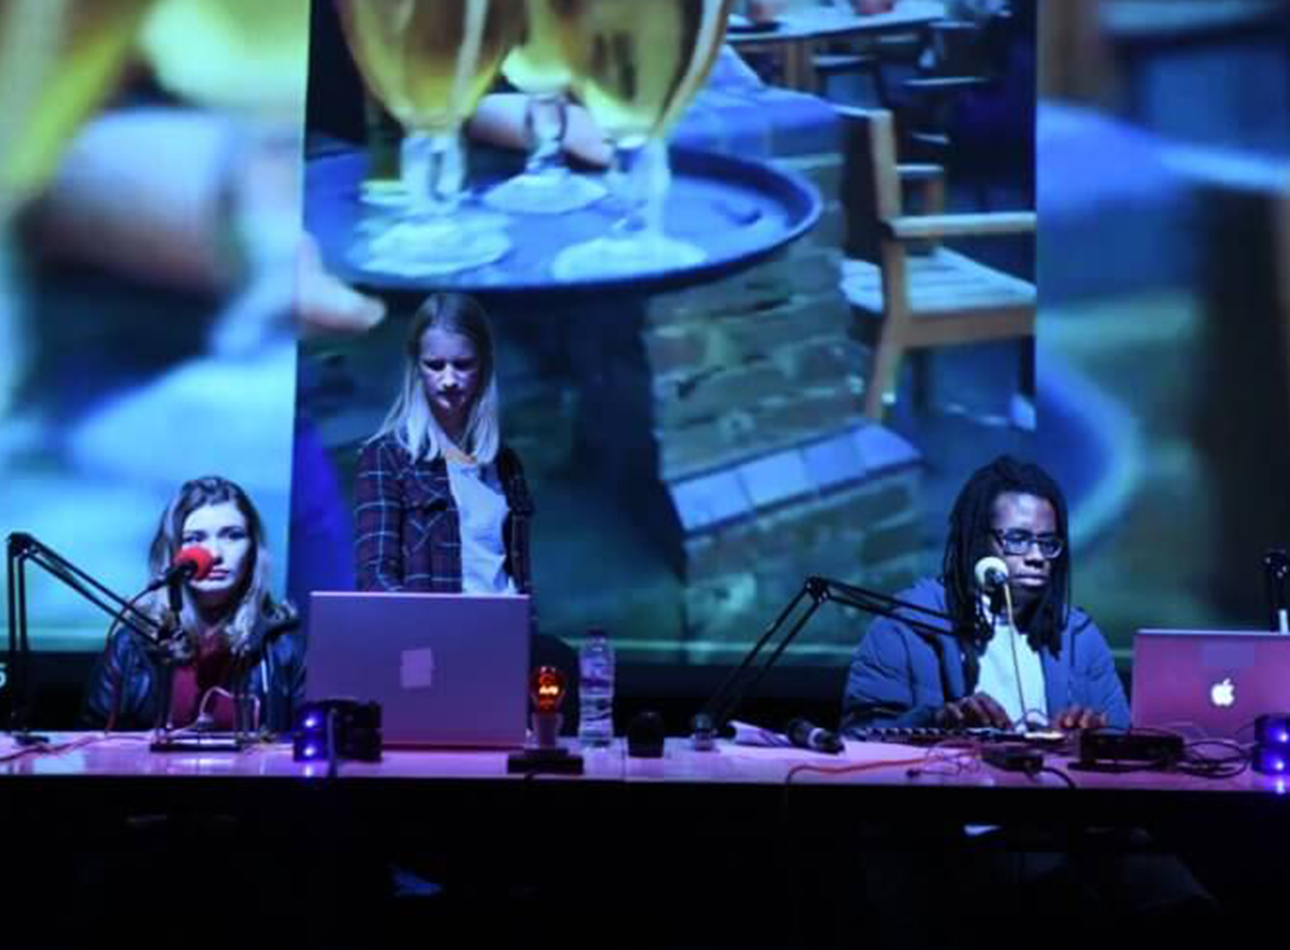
<point x="1017" y="542"/>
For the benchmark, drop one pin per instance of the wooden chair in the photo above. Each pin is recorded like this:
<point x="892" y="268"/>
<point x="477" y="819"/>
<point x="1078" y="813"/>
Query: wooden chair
<point x="925" y="294"/>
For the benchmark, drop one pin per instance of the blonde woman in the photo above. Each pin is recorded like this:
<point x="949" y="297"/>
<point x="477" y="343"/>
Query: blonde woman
<point x="230" y="636"/>
<point x="440" y="503"/>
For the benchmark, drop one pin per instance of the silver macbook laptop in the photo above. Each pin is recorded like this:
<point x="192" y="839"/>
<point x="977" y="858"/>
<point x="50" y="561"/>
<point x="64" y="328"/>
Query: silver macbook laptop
<point x="447" y="669"/>
<point x="1210" y="683"/>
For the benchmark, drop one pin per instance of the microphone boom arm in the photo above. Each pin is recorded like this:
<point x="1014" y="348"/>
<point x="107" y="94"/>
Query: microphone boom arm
<point x="721" y="706"/>
<point x="23" y="548"/>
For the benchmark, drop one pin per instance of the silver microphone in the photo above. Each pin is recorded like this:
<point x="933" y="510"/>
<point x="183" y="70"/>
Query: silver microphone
<point x="991" y="573"/>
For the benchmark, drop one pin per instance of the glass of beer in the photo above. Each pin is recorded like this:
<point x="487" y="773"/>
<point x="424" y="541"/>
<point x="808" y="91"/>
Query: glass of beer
<point x="429" y="62"/>
<point x="58" y="60"/>
<point x="537" y="66"/>
<point x="636" y="76"/>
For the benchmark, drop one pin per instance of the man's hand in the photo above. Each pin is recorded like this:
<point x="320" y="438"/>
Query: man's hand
<point x="324" y="304"/>
<point x="979" y="709"/>
<point x="1081" y="717"/>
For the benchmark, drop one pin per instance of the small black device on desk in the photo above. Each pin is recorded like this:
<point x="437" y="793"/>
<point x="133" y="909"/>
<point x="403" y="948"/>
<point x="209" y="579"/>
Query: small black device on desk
<point x="345" y="727"/>
<point x="1014" y="757"/>
<point x="645" y="736"/>
<point x="1113" y="748"/>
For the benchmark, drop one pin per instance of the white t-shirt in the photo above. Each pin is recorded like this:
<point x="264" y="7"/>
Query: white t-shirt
<point x="999" y="673"/>
<point x="481" y="510"/>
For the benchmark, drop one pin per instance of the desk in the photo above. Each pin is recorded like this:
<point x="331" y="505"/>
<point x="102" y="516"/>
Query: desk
<point x="707" y="828"/>
<point x="799" y="30"/>
<point x="972" y="791"/>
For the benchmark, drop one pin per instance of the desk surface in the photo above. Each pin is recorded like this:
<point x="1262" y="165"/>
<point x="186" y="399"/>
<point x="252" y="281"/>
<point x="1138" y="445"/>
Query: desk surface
<point x="126" y="755"/>
<point x="707" y="831"/>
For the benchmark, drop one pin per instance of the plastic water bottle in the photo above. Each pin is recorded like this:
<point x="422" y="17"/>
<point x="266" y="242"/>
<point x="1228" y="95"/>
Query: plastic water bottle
<point x="596" y="690"/>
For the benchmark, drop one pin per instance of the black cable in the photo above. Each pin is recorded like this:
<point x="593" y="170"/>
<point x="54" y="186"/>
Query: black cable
<point x="117" y="674"/>
<point x="1214" y="766"/>
<point x="1060" y="773"/>
<point x="1246" y="726"/>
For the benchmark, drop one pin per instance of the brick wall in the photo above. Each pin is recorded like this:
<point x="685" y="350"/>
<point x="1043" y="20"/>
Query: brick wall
<point x="740" y="399"/>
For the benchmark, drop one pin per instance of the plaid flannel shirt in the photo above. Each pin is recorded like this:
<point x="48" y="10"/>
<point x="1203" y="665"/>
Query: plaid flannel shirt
<point x="407" y="533"/>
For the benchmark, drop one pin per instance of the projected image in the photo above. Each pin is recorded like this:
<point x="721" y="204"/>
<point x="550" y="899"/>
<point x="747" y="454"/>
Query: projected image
<point x="1164" y="145"/>
<point x="149" y="230"/>
<point x="676" y="228"/>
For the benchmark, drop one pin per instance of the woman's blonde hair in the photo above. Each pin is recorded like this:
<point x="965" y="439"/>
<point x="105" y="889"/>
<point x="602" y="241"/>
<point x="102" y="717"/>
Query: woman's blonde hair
<point x="251" y="601"/>
<point x="410" y="420"/>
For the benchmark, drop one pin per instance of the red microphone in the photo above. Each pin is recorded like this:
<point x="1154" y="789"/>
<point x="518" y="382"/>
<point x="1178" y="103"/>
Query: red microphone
<point x="191" y="563"/>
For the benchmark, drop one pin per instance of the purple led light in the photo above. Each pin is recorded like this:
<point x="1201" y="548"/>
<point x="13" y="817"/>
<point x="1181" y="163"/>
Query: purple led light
<point x="311" y="722"/>
<point x="1283" y="736"/>
<point x="311" y="751"/>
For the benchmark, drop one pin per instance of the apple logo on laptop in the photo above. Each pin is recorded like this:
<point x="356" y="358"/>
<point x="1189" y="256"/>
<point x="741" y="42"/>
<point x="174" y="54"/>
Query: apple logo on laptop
<point x="416" y="671"/>
<point x="1223" y="693"/>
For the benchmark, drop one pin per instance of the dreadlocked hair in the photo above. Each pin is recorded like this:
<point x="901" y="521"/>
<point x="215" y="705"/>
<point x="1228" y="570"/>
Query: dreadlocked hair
<point x="971" y="521"/>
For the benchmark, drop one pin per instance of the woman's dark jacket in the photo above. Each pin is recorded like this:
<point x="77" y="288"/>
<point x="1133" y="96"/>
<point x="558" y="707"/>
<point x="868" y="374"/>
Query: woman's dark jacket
<point x="128" y="677"/>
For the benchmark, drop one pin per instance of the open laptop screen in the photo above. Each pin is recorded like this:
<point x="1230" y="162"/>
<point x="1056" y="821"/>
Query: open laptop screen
<point x="1211" y="683"/>
<point x="447" y="669"/>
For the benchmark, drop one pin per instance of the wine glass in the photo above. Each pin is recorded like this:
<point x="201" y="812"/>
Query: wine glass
<point x="537" y="67"/>
<point x="429" y="62"/>
<point x="58" y="60"/>
<point x="636" y="76"/>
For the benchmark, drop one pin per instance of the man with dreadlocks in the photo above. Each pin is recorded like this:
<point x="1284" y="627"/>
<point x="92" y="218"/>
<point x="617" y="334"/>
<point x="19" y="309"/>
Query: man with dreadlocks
<point x="1020" y="656"/>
